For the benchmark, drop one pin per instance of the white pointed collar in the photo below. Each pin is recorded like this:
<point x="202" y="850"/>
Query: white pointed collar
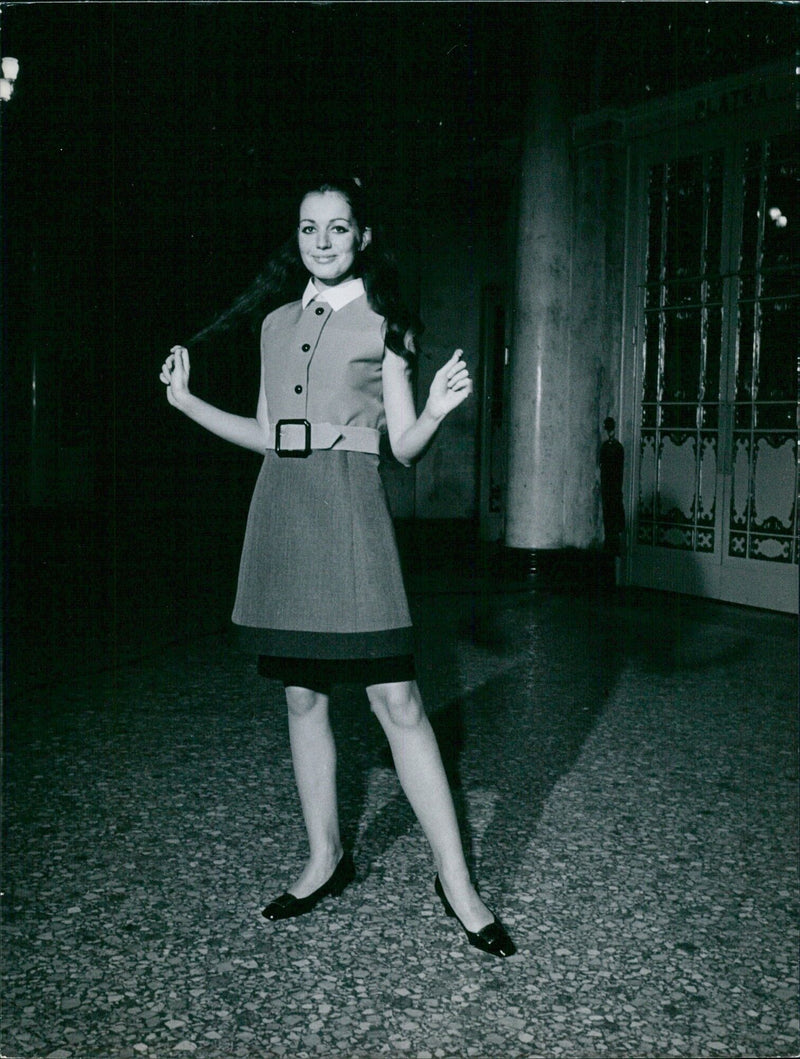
<point x="337" y="297"/>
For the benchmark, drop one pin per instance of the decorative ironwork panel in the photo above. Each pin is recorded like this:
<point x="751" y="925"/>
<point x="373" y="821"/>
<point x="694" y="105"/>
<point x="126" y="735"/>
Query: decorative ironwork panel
<point x="682" y="353"/>
<point x="763" y="508"/>
<point x="688" y="351"/>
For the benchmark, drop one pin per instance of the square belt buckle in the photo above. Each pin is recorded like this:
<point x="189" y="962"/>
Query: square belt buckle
<point x="293" y="438"/>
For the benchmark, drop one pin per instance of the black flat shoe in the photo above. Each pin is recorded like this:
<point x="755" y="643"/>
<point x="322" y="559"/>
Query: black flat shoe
<point x="287" y="906"/>
<point x="492" y="938"/>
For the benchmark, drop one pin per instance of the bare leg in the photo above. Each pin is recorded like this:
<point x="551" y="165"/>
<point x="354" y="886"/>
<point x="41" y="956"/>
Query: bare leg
<point x="314" y="760"/>
<point x="419" y="766"/>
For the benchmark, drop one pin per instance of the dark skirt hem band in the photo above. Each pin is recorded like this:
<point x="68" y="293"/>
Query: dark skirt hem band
<point x="320" y="674"/>
<point x="292" y="643"/>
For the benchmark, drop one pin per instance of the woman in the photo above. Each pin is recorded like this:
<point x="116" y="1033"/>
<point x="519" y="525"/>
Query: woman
<point x="320" y="596"/>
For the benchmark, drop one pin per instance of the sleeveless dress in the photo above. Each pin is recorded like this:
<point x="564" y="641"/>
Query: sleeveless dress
<point x="320" y="574"/>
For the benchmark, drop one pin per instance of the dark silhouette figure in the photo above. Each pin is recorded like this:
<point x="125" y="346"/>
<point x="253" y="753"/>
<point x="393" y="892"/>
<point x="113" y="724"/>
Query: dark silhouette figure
<point x="612" y="462"/>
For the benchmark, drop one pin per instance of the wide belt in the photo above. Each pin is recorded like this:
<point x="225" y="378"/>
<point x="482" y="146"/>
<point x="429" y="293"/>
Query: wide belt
<point x="299" y="438"/>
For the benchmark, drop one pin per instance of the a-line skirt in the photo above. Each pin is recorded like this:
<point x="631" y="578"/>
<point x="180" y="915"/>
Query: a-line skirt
<point x="320" y="574"/>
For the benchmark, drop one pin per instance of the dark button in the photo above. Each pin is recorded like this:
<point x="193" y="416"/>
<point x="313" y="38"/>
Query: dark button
<point x="298" y="388"/>
<point x="306" y="347"/>
<point x="319" y="311"/>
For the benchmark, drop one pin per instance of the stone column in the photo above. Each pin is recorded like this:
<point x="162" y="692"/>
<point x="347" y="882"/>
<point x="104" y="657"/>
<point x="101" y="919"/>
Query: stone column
<point x="552" y="438"/>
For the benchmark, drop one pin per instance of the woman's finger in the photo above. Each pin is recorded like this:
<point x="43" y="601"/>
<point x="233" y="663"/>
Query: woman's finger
<point x="458" y="378"/>
<point x="452" y="361"/>
<point x="451" y="371"/>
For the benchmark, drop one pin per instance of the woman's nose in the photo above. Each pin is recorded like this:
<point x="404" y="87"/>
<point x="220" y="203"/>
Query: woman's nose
<point x="323" y="240"/>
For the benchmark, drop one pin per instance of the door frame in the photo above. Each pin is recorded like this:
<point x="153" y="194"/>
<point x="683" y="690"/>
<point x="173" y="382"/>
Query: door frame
<point x="706" y="118"/>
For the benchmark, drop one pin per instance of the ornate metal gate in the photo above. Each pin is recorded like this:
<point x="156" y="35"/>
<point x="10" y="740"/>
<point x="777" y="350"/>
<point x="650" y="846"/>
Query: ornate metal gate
<point x="715" y="478"/>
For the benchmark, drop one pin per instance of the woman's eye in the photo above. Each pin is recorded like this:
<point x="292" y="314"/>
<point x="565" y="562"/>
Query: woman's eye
<point x="306" y="229"/>
<point x="340" y="229"/>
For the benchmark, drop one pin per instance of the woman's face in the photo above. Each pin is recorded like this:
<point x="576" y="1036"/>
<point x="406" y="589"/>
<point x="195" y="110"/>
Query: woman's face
<point x="328" y="237"/>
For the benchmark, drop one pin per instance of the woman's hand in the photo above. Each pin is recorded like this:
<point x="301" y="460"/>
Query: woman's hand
<point x="451" y="385"/>
<point x="175" y="375"/>
<point x="248" y="432"/>
<point x="409" y="434"/>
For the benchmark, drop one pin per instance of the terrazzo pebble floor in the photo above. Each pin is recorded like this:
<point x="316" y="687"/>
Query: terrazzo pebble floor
<point x="625" y="771"/>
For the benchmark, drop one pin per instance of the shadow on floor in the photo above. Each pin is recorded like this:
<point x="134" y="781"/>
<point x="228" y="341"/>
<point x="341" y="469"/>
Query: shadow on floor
<point x="511" y="756"/>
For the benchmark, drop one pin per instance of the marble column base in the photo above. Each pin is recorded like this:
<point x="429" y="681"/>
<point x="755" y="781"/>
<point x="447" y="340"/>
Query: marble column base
<point x="560" y="569"/>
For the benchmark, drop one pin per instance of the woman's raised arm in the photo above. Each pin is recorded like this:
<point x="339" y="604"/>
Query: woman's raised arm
<point x="250" y="433"/>
<point x="409" y="434"/>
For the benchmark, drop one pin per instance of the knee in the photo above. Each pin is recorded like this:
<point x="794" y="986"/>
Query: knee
<point x="398" y="704"/>
<point x="303" y="701"/>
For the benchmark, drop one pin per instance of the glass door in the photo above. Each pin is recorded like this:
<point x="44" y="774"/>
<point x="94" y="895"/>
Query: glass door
<point x="715" y="475"/>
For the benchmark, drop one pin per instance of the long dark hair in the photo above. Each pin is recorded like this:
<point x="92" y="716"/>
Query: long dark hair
<point x="284" y="276"/>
